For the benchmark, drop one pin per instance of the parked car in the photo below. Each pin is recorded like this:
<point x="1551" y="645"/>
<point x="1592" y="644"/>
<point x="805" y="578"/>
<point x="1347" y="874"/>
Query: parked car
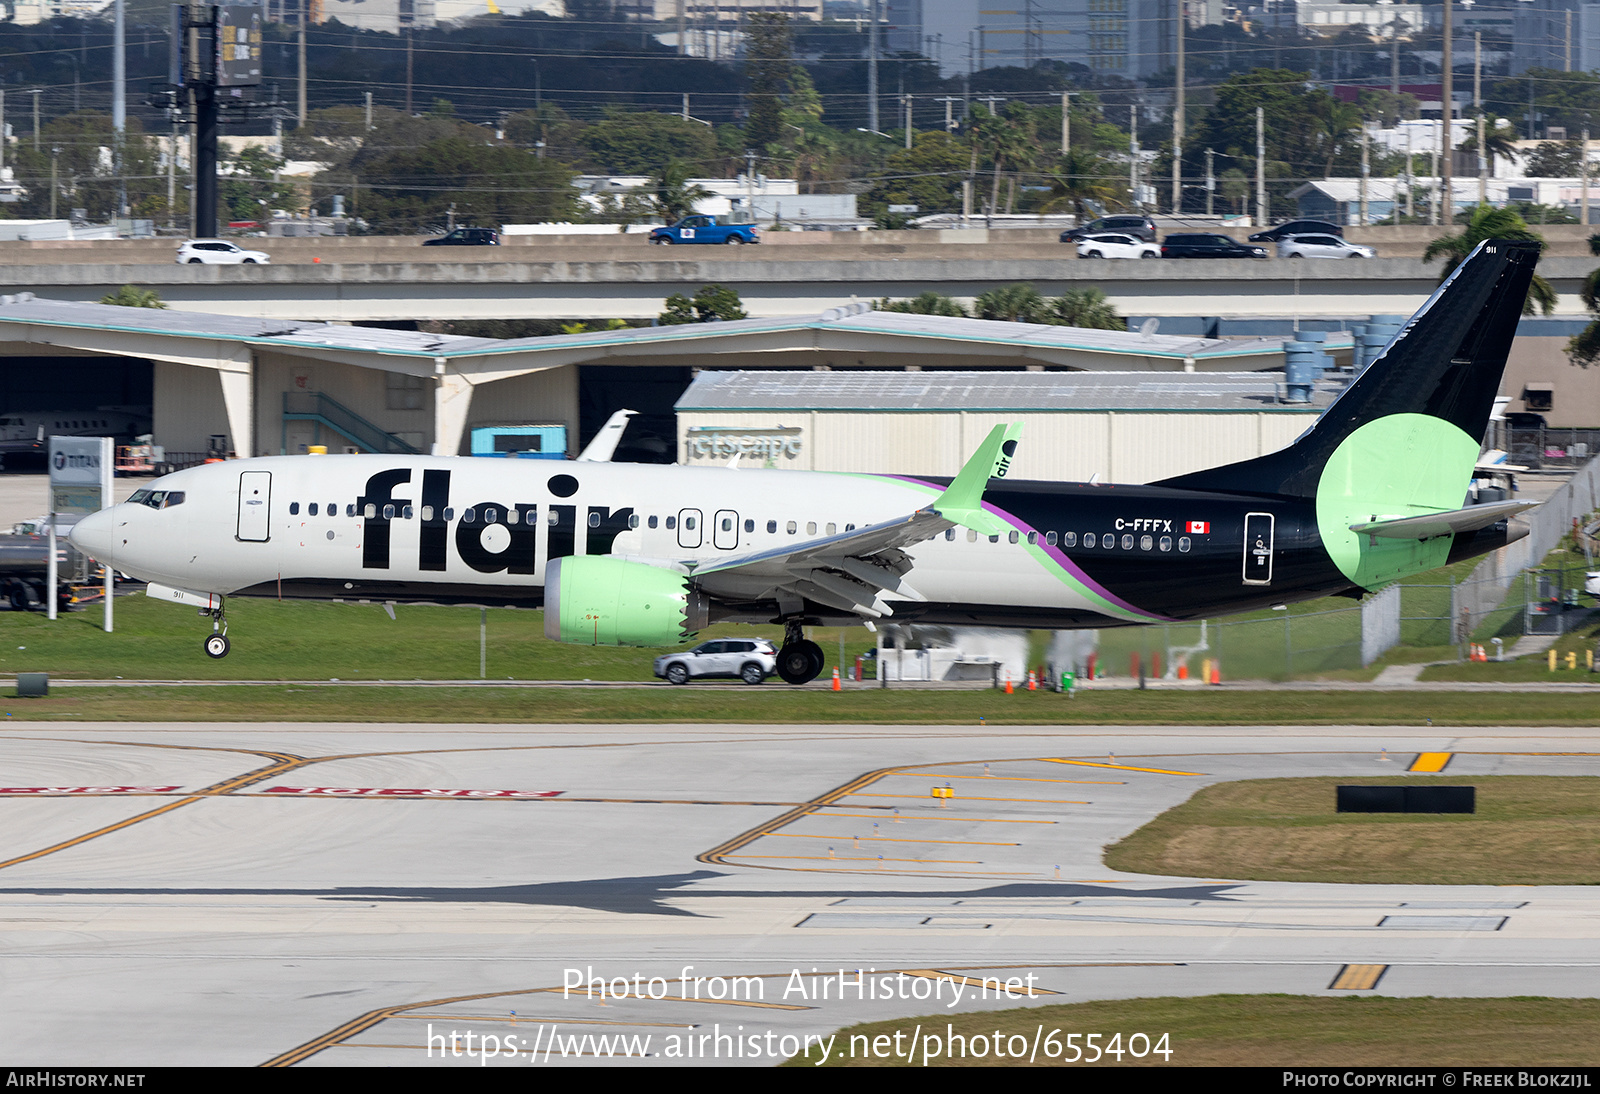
<point x="466" y="237"/>
<point x="750" y="659"/>
<point x="218" y="252"/>
<point x="1321" y="246"/>
<point x="1116" y="246"/>
<point x="1295" y="228"/>
<point x="1200" y="245"/>
<point x="1139" y="227"/>
<point x="702" y="228"/>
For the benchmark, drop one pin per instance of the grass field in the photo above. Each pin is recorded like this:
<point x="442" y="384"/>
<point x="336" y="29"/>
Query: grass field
<point x="1532" y="830"/>
<point x="781" y="705"/>
<point x="1266" y="1031"/>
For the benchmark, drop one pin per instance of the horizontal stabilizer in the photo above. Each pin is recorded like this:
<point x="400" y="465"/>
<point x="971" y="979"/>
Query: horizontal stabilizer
<point x="1432" y="525"/>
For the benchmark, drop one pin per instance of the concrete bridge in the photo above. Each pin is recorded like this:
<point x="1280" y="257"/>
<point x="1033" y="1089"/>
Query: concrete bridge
<point x="390" y="279"/>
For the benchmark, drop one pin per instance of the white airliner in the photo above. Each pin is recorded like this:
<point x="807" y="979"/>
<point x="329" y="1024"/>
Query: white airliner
<point x="632" y="554"/>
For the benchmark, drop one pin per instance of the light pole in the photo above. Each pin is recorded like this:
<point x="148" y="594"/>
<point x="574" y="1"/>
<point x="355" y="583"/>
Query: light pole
<point x="55" y="156"/>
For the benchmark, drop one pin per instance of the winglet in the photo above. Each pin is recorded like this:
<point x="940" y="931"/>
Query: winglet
<point x="962" y="501"/>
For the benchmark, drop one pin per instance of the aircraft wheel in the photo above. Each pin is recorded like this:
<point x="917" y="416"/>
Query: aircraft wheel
<point x="677" y="673"/>
<point x="800" y="662"/>
<point x="216" y="645"/>
<point x="752" y="673"/>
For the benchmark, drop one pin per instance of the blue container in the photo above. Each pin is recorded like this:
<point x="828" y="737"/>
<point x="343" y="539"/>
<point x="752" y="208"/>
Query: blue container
<point x="528" y="442"/>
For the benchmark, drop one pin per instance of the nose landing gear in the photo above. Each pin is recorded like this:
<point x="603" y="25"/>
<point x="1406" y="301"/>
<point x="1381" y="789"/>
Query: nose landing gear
<point x="216" y="644"/>
<point x="800" y="660"/>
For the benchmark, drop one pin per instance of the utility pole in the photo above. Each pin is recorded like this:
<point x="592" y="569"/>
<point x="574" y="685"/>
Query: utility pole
<point x="300" y="114"/>
<point x="907" y="99"/>
<point x="1261" y="166"/>
<point x="55" y="155"/>
<point x="1569" y="42"/>
<point x="410" y="34"/>
<point x="1447" y="186"/>
<point x="369" y="111"/>
<point x="2" y="128"/>
<point x="1066" y="124"/>
<point x="685" y="114"/>
<point x="36" y="92"/>
<point x="1133" y="154"/>
<point x="872" y="66"/>
<point x="1483" y="163"/>
<point x="949" y="109"/>
<point x="683" y="47"/>
<point x="1394" y="60"/>
<point x="1177" y="120"/>
<point x="1211" y="185"/>
<point x="1366" y="170"/>
<point x="119" y="102"/>
<point x="1583" y="172"/>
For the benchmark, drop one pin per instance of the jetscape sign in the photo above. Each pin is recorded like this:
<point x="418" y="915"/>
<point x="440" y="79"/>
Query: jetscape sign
<point x="403" y="792"/>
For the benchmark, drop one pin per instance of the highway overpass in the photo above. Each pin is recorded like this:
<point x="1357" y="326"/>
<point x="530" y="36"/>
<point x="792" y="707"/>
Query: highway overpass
<point x="387" y="279"/>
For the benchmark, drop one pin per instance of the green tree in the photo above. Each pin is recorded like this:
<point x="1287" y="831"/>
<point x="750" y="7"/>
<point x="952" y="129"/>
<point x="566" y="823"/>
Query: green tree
<point x="1486" y="223"/>
<point x="1555" y="160"/>
<point x="709" y="304"/>
<point x="246" y="188"/>
<point x="769" y="60"/>
<point x="645" y="143"/>
<point x="1498" y="140"/>
<point x="412" y="189"/>
<point x="927" y="175"/>
<point x="1083" y="176"/>
<point x="674" y="197"/>
<point x="132" y="296"/>
<point x="1018" y="303"/>
<point x="928" y="303"/>
<point x="1086" y="307"/>
<point x="1583" y="349"/>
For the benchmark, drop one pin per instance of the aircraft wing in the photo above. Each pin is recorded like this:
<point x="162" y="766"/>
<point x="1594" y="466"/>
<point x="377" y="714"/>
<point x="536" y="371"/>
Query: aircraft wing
<point x="855" y="570"/>
<point x="1432" y="525"/>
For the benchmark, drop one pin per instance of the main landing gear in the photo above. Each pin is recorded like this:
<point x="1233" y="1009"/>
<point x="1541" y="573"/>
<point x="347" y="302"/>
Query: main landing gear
<point x="216" y="643"/>
<point x="800" y="660"/>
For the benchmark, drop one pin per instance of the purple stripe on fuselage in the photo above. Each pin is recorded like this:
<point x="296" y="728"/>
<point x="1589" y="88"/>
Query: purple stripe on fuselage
<point x="1054" y="553"/>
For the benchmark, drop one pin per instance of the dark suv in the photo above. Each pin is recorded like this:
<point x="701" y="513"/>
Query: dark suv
<point x="1139" y="227"/>
<point x="1298" y="228"/>
<point x="1208" y="246"/>
<point x="466" y="237"/>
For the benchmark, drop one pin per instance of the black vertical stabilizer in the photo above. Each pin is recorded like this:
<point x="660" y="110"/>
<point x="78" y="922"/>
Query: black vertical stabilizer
<point x="1446" y="362"/>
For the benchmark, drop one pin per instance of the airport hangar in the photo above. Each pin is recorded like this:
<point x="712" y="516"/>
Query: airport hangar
<point x="267" y="386"/>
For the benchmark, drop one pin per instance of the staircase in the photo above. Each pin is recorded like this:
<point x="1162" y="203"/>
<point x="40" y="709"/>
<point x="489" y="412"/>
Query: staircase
<point x="314" y="406"/>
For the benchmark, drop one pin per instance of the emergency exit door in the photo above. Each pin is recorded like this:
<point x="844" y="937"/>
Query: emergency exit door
<point x="255" y="498"/>
<point x="1258" y="528"/>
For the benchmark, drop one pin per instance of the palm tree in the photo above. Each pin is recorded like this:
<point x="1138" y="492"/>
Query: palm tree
<point x="1085" y="307"/>
<point x="1019" y="303"/>
<point x="1499" y="141"/>
<point x="928" y="303"/>
<point x="674" y="197"/>
<point x="1082" y="177"/>
<point x="1488" y="222"/>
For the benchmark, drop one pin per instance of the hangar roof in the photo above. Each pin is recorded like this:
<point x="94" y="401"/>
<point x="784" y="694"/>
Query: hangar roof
<point x="1003" y="391"/>
<point x="178" y="335"/>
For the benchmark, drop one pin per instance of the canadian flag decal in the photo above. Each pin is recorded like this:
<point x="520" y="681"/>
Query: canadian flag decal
<point x="1198" y="527"/>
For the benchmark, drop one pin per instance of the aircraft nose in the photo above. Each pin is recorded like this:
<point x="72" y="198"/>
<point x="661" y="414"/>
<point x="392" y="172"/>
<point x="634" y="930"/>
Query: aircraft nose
<point x="94" y="535"/>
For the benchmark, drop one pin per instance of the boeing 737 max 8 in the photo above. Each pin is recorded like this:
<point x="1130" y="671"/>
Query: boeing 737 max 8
<point x="632" y="554"/>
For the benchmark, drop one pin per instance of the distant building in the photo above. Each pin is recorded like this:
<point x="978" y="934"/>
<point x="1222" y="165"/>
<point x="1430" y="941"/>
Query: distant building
<point x="1559" y="34"/>
<point x="1130" y="38"/>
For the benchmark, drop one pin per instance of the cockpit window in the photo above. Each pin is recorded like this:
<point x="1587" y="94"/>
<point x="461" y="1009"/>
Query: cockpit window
<point x="158" y="499"/>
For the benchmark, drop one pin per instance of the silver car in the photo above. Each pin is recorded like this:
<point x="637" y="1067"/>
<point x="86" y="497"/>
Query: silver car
<point x="218" y="252"/>
<point x="750" y="659"/>
<point x="1321" y="246"/>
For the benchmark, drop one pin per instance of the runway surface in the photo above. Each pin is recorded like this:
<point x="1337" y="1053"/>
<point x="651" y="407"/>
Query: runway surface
<point x="349" y="895"/>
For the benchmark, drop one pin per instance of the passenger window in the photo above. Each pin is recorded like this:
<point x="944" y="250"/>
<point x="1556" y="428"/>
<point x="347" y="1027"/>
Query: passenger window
<point x="832" y="528"/>
<point x="950" y="534"/>
<point x="449" y="514"/>
<point x="1088" y="539"/>
<point x="672" y="522"/>
<point x="1013" y="537"/>
<point x="793" y="528"/>
<point x="407" y="512"/>
<point x="594" y="519"/>
<point x="811" y="527"/>
<point x="994" y="538"/>
<point x="371" y="511"/>
<point x="849" y="527"/>
<point x="1033" y="537"/>
<point x="1183" y="544"/>
<point x="1127" y="543"/>
<point x="333" y="508"/>
<point x="349" y="510"/>
<point x="727" y="524"/>
<point x="772" y="526"/>
<point x="470" y="515"/>
<point x="749" y="526"/>
<point x="294" y="508"/>
<point x="688" y="523"/>
<point x="1166" y="543"/>
<point x="491" y="516"/>
<point x="1069" y="539"/>
<point x="1050" y="539"/>
<point x="311" y="510"/>
<point x="633" y="521"/>
<point x="652" y="522"/>
<point x="972" y="536"/>
<point x="427" y="512"/>
<point x="388" y="512"/>
<point x="551" y="518"/>
<point x="1146" y="542"/>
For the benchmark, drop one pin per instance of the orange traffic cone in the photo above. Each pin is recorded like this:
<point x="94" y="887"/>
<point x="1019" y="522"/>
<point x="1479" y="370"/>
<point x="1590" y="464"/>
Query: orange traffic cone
<point x="836" y="686"/>
<point x="1216" y="672"/>
<point x="1009" y="689"/>
<point x="1033" y="684"/>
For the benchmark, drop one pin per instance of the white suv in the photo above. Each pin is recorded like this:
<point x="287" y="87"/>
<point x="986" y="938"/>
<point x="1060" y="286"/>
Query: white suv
<point x="1321" y="246"/>
<point x="750" y="659"/>
<point x="219" y="252"/>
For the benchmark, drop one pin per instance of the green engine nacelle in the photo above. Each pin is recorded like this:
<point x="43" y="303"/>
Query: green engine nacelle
<point x="598" y="600"/>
